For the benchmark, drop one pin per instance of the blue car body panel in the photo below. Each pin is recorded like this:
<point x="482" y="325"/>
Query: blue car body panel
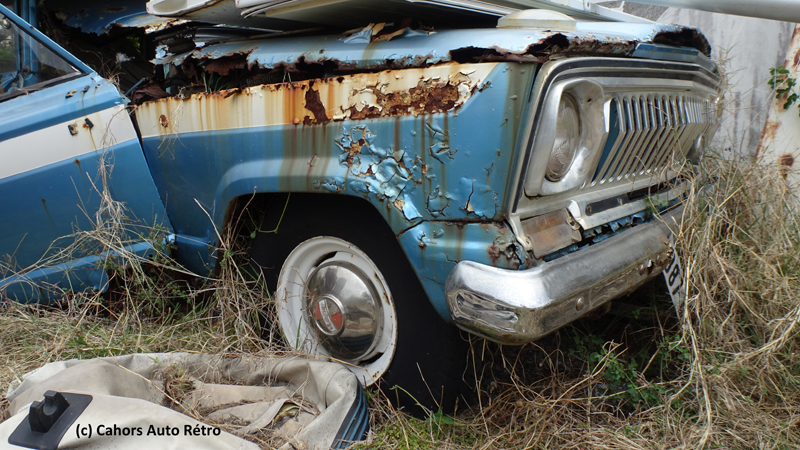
<point x="100" y="16"/>
<point x="54" y="203"/>
<point x="61" y="145"/>
<point x="423" y="169"/>
<point x="57" y="104"/>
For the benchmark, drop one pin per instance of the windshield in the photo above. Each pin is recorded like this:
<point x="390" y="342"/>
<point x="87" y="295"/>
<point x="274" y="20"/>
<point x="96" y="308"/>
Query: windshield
<point x="26" y="65"/>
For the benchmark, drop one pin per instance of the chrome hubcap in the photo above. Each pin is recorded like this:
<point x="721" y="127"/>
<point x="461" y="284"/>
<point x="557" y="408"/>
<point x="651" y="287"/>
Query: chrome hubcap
<point x="327" y="315"/>
<point x="345" y="309"/>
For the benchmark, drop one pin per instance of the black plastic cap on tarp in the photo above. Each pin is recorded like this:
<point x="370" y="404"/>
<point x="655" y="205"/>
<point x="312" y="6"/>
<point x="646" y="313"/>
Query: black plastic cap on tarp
<point x="48" y="420"/>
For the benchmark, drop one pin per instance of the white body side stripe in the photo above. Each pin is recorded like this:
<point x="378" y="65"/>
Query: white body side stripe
<point x="57" y="143"/>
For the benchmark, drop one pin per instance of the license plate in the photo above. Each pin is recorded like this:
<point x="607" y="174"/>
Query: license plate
<point x="675" y="278"/>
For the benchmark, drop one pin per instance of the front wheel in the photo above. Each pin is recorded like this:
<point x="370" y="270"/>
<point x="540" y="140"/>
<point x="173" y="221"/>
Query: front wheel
<point x="345" y="290"/>
<point x="333" y="301"/>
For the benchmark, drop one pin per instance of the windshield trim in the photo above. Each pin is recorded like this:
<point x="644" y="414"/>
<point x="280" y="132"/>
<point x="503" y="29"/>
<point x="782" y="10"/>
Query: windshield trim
<point x="25" y="27"/>
<point x="27" y="90"/>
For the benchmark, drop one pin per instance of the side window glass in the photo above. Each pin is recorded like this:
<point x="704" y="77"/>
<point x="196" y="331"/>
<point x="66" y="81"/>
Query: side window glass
<point x="26" y="65"/>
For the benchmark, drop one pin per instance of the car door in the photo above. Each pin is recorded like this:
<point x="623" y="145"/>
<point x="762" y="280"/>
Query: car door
<point x="71" y="169"/>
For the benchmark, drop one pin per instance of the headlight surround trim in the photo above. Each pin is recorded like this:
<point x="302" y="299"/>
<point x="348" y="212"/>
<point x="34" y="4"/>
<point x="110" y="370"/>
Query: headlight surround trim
<point x="593" y="110"/>
<point x="569" y="113"/>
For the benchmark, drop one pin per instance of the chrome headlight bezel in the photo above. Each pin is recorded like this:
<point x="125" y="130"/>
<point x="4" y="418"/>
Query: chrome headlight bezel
<point x="568" y="112"/>
<point x="593" y="111"/>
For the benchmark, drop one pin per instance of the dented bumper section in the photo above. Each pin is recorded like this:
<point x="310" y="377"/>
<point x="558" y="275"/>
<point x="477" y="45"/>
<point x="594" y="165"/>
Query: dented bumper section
<point x="515" y="307"/>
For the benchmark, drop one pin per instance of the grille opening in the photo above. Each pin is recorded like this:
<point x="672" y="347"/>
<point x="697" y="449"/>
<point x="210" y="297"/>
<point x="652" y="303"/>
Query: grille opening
<point x="649" y="132"/>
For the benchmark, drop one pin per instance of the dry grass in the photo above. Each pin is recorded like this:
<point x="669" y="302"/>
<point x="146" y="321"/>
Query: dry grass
<point x="724" y="374"/>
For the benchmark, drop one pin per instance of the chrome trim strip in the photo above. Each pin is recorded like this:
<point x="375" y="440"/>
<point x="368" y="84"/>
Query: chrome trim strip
<point x="670" y="53"/>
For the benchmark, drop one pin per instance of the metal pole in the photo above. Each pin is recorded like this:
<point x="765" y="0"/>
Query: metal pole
<point x="783" y="10"/>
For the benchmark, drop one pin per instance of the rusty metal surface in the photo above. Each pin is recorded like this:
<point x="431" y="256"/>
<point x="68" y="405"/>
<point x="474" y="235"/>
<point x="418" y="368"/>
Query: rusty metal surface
<point x="414" y="48"/>
<point x="779" y="140"/>
<point x="424" y="125"/>
<point x="391" y="137"/>
<point x="355" y="97"/>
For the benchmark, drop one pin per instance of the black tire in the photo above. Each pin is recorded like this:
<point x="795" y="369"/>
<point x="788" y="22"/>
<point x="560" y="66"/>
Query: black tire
<point x="429" y="364"/>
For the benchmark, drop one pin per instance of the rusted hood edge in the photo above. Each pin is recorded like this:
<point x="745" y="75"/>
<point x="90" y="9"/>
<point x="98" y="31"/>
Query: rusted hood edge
<point x="420" y="50"/>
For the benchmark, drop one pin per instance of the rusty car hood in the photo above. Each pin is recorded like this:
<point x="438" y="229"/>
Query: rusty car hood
<point x="364" y="50"/>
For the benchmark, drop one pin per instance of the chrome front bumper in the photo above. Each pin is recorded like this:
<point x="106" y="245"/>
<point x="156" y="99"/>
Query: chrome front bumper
<point x="515" y="307"/>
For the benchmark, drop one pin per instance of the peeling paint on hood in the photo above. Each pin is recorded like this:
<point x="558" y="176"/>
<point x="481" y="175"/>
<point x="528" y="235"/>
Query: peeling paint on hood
<point x="472" y="45"/>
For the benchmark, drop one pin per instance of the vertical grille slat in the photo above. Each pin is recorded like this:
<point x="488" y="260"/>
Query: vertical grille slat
<point x="658" y="140"/>
<point x="630" y="123"/>
<point x="618" y="142"/>
<point x="672" y="139"/>
<point x="663" y="150"/>
<point x="654" y="130"/>
<point x="654" y="153"/>
<point x="634" y="144"/>
<point x="685" y="126"/>
<point x="636" y="165"/>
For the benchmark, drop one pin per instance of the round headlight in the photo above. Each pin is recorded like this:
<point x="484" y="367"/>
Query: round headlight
<point x="568" y="132"/>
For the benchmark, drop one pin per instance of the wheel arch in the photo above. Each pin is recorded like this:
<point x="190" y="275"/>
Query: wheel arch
<point x="264" y="213"/>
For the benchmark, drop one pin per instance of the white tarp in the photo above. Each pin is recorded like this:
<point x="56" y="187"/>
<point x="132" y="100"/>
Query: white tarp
<point x="182" y="400"/>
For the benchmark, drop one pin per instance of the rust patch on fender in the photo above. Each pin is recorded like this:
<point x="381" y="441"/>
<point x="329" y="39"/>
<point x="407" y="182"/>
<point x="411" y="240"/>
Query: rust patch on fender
<point x="545" y="49"/>
<point x="415" y="92"/>
<point x="353" y="150"/>
<point x="428" y="96"/>
<point x="151" y="90"/>
<point x="494" y="253"/>
<point x="225" y="64"/>
<point x="314" y="104"/>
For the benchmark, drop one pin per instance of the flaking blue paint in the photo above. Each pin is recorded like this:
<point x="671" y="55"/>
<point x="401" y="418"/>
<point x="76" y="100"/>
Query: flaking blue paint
<point x="100" y="16"/>
<point x="441" y="245"/>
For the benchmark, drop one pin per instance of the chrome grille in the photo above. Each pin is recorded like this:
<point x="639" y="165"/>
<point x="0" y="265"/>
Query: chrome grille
<point x="652" y="132"/>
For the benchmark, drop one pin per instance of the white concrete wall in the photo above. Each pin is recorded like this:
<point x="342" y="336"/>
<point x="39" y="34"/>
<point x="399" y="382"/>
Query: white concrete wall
<point x="748" y="47"/>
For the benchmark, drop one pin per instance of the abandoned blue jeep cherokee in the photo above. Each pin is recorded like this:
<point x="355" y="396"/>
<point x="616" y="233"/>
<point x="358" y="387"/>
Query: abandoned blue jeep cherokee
<point x="404" y="178"/>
